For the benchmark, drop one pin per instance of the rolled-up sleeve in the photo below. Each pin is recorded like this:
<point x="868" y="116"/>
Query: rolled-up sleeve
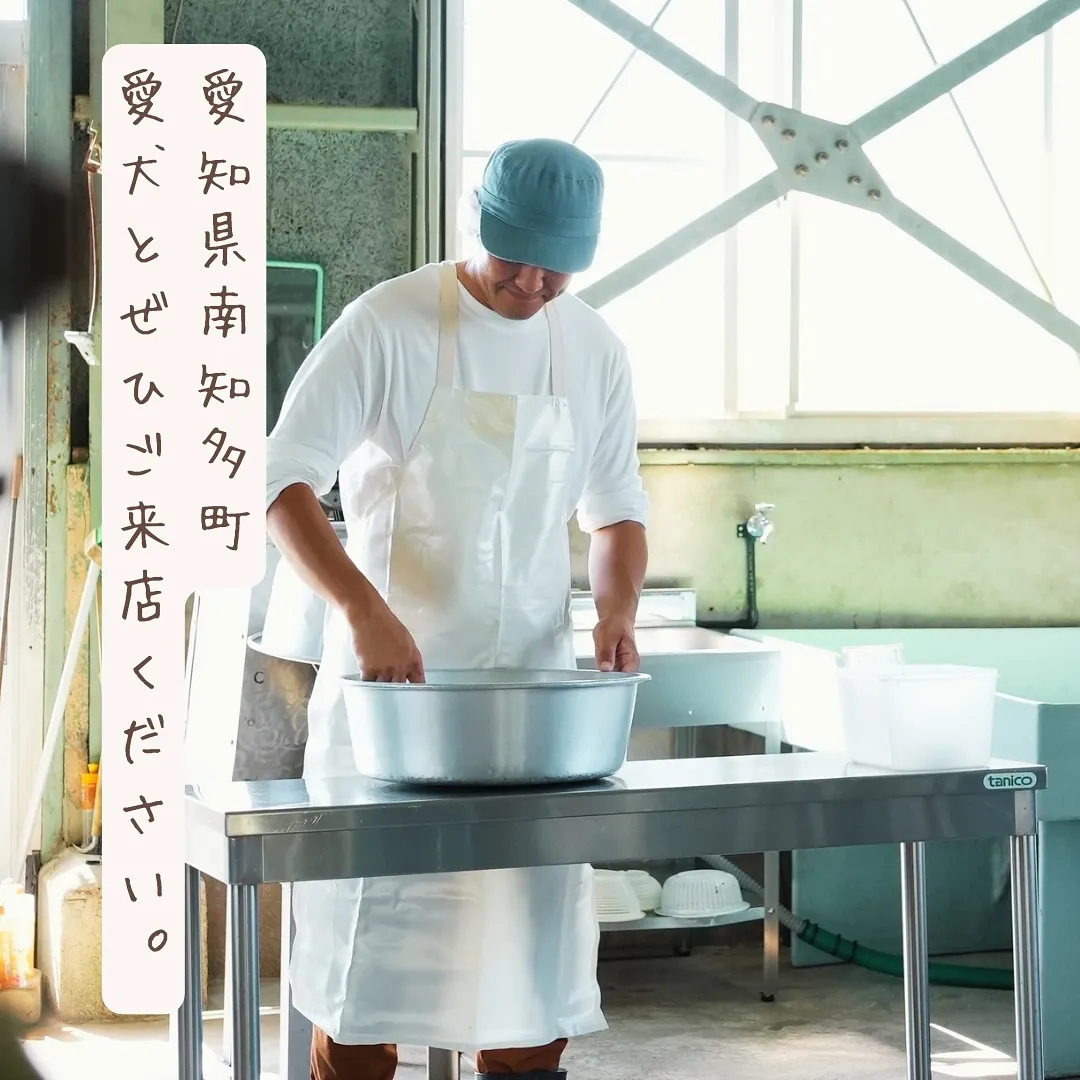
<point x="613" y="489"/>
<point x="326" y="412"/>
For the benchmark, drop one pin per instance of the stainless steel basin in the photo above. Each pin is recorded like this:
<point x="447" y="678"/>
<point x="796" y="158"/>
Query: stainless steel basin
<point x="700" y="678"/>
<point x="492" y="728"/>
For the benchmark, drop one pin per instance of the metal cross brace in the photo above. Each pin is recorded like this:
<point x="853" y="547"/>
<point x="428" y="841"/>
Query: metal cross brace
<point x="827" y="159"/>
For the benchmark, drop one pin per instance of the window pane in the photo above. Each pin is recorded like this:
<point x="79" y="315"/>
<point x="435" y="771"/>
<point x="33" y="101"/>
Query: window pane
<point x="644" y="202"/>
<point x="509" y="93"/>
<point x="929" y="162"/>
<point x="859" y="53"/>
<point x="856" y="55"/>
<point x="673" y="327"/>
<point x="951" y="26"/>
<point x="1064" y="209"/>
<point x="763" y="288"/>
<point x="886" y="325"/>
<point x="765" y="50"/>
<point x="696" y="26"/>
<point x="510" y="52"/>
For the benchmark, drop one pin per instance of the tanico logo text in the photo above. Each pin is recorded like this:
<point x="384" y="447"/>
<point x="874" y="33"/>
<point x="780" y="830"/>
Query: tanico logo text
<point x="1008" y="781"/>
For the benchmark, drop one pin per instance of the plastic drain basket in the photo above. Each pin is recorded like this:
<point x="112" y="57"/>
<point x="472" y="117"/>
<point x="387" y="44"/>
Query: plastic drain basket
<point x="702" y="894"/>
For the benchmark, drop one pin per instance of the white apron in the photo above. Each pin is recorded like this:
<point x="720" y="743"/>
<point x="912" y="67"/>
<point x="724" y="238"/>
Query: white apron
<point x="467" y="540"/>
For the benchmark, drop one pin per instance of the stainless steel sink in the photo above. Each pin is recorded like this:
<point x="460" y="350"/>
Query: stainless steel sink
<point x="701" y="677"/>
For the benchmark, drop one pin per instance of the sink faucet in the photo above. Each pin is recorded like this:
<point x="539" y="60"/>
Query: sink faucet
<point x="758" y="524"/>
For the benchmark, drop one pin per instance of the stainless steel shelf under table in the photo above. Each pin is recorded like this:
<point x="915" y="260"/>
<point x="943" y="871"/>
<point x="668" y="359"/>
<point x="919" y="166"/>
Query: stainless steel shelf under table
<point x="668" y="922"/>
<point x="246" y="834"/>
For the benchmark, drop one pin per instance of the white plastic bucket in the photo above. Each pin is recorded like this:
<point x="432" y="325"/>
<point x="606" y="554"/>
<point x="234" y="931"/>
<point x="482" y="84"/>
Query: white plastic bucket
<point x="295" y="613"/>
<point x="921" y="719"/>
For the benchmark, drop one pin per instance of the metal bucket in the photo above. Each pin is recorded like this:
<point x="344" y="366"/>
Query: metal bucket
<point x="492" y="728"/>
<point x="295" y="614"/>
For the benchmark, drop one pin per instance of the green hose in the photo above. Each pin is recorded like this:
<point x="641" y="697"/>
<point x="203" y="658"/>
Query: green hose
<point x="851" y="952"/>
<point x="888" y="964"/>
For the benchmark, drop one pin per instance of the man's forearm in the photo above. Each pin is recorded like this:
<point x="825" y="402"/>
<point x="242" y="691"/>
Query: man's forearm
<point x="304" y="535"/>
<point x="618" y="557"/>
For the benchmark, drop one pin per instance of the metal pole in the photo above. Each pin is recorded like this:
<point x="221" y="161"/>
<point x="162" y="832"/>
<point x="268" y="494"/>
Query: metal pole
<point x="795" y="221"/>
<point x="453" y="32"/>
<point x="294" y="1052"/>
<point x="685" y="747"/>
<point x="246" y="1063"/>
<point x="189" y="1017"/>
<point x="443" y="1064"/>
<point x="47" y="760"/>
<point x="421" y="250"/>
<point x="434" y="129"/>
<point x="771" y="928"/>
<point x="916" y="960"/>
<point x="731" y="237"/>
<point x="1025" y="920"/>
<point x="227" y="1035"/>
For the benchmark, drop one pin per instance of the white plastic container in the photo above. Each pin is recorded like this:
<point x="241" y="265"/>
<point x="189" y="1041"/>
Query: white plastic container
<point x="922" y="718"/>
<point x="702" y="894"/>
<point x="17" y="932"/>
<point x="614" y="897"/>
<point x="295" y="614"/>
<point x="647" y="889"/>
<point x="881" y="659"/>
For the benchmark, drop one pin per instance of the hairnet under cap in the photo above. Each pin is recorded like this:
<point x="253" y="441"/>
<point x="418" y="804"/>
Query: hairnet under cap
<point x="540" y="204"/>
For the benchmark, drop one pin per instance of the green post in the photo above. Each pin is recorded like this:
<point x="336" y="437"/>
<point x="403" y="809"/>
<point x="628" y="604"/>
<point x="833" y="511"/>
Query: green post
<point x="47" y="421"/>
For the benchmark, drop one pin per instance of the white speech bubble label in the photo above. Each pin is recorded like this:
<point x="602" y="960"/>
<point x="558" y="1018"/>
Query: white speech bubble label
<point x="183" y="311"/>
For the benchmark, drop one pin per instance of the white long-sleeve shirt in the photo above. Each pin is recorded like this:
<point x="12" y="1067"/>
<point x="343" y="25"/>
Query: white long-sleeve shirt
<point x="372" y="375"/>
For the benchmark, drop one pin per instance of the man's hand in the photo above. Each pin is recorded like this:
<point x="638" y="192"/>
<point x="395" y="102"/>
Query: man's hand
<point x="616" y="650"/>
<point x="384" y="648"/>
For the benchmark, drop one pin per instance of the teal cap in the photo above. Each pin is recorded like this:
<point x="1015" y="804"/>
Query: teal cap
<point x="540" y="203"/>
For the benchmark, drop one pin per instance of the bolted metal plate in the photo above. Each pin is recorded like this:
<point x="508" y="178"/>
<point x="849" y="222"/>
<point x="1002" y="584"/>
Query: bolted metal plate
<point x="819" y="157"/>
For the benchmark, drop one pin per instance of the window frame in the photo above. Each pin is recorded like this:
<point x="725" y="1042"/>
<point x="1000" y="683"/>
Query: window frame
<point x="794" y="428"/>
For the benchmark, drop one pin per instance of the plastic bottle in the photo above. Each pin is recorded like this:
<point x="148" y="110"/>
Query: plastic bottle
<point x="6" y="975"/>
<point x="89" y="791"/>
<point x="22" y="919"/>
<point x="17" y="936"/>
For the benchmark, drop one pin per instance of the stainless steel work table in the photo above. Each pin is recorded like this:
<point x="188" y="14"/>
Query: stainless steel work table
<point x="246" y="834"/>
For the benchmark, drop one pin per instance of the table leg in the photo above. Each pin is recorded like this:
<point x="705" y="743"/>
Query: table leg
<point x="189" y="1017"/>
<point x="916" y="960"/>
<point x="1025" y="920"/>
<point x="229" y="989"/>
<point x="771" y="930"/>
<point x="443" y="1064"/>
<point x="294" y="1047"/>
<point x="685" y="747"/>
<point x="246" y="1064"/>
<point x="771" y="885"/>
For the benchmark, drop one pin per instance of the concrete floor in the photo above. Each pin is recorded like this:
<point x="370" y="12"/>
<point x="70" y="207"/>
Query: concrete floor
<point x="698" y="1018"/>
